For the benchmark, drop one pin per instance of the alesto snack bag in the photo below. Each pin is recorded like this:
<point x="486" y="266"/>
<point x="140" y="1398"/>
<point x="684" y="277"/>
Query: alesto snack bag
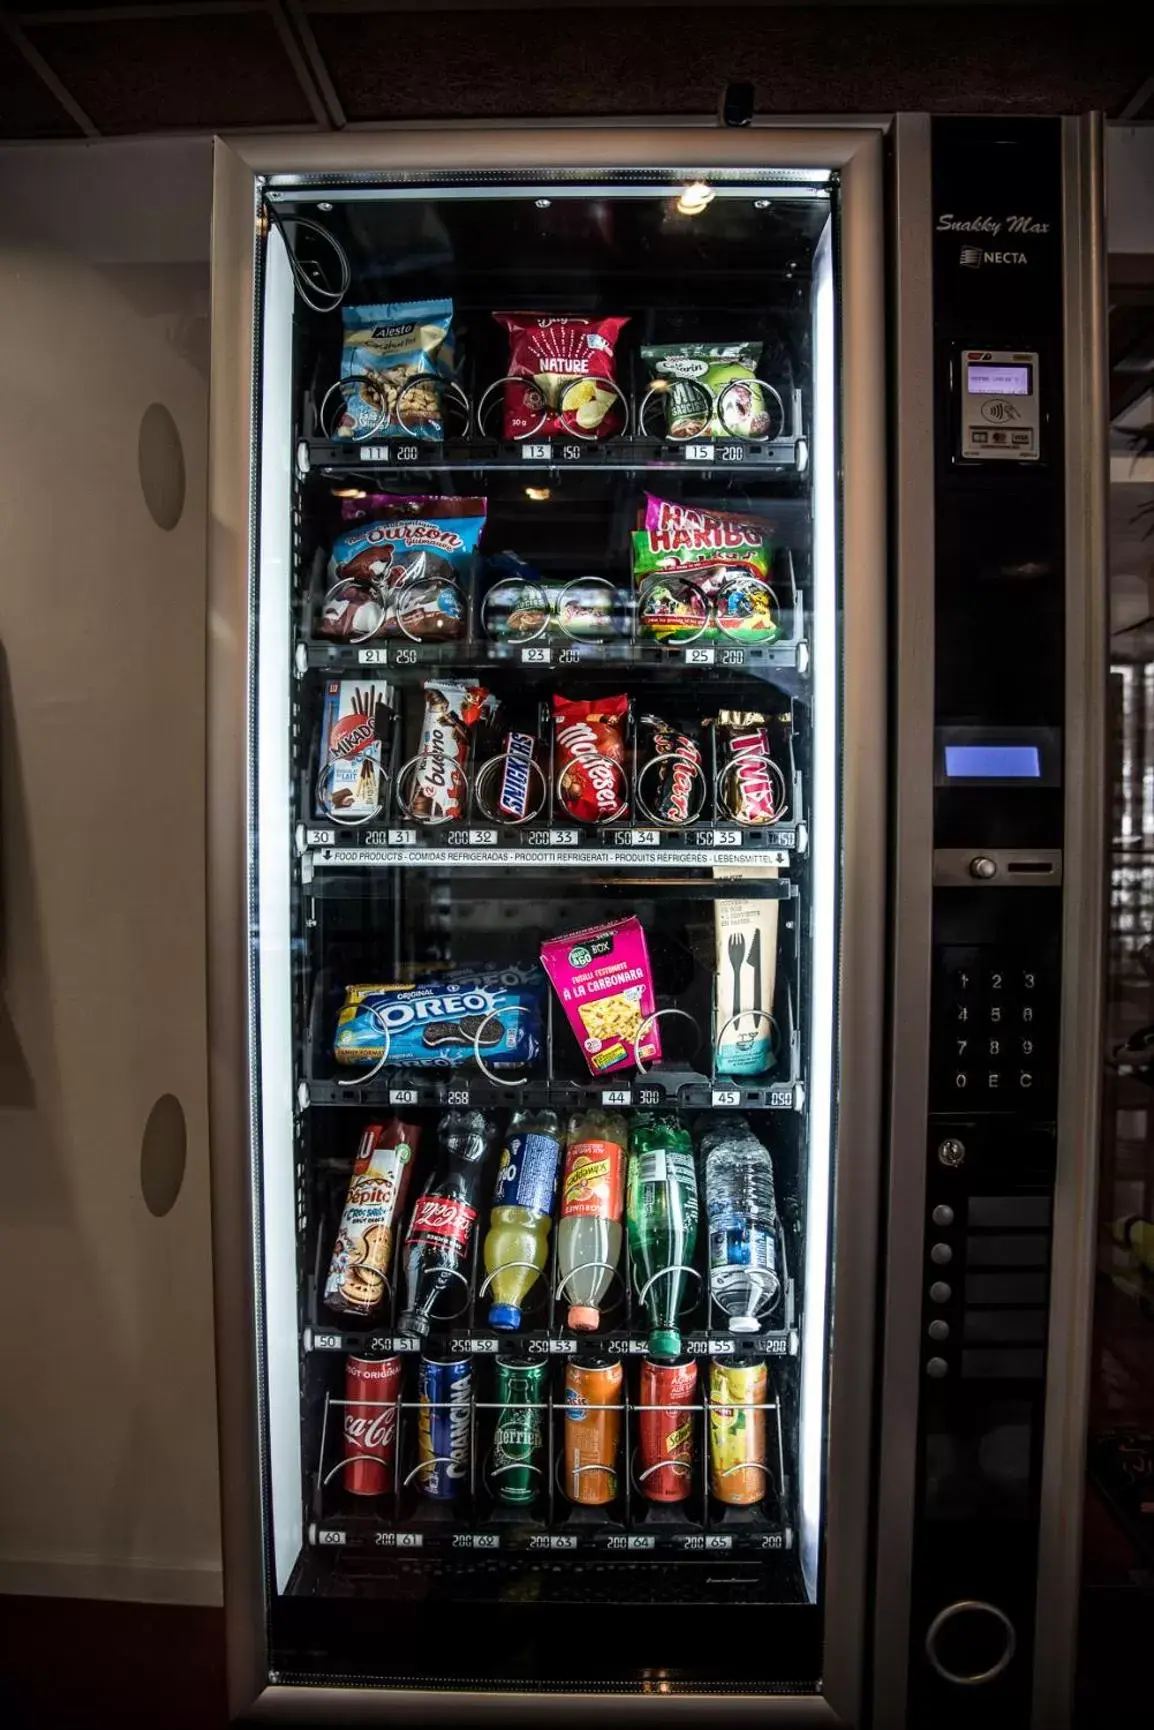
<point x="385" y="348"/>
<point x="603" y="979"/>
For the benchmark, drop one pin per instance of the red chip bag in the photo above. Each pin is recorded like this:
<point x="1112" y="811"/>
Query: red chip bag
<point x="567" y="361"/>
<point x="590" y="757"/>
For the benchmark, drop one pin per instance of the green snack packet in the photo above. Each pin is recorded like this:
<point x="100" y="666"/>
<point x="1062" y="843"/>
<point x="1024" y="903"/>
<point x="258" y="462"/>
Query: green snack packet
<point x="712" y="389"/>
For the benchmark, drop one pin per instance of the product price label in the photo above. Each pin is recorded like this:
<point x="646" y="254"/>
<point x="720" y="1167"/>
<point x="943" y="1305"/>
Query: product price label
<point x="699" y="453"/>
<point x="725" y="1096"/>
<point x="617" y="1096"/>
<point x="457" y="1096"/>
<point x="563" y="838"/>
<point x="698" y="657"/>
<point x="476" y="1541"/>
<point x="536" y="657"/>
<point x="718" y="1541"/>
<point x="327" y="1342"/>
<point x="482" y="837"/>
<point x="637" y="838"/>
<point x="402" y="1096"/>
<point x="549" y="1541"/>
<point x="320" y="837"/>
<point x="399" y="1540"/>
<point x="374" y="453"/>
<point x="562" y="1348"/>
<point x="402" y="837"/>
<point x="373" y="657"/>
<point x="327" y="1535"/>
<point x="536" y="453"/>
<point x="724" y="838"/>
<point x="781" y="1098"/>
<point x="721" y="1348"/>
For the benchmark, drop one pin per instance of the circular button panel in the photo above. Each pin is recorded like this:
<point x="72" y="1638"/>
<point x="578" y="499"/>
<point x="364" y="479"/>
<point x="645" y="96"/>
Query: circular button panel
<point x="939" y="1331"/>
<point x="936" y="1368"/>
<point x="951" y="1151"/>
<point x="941" y="1253"/>
<point x="943" y="1215"/>
<point x="970" y="1642"/>
<point x="940" y="1292"/>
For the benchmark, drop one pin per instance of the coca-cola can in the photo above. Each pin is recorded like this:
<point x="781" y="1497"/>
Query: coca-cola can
<point x="666" y="1425"/>
<point x="372" y="1390"/>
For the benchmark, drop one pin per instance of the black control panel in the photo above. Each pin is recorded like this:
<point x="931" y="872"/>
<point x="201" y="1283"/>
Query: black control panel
<point x="998" y="828"/>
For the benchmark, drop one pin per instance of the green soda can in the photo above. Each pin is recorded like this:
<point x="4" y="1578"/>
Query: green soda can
<point x="518" y="1473"/>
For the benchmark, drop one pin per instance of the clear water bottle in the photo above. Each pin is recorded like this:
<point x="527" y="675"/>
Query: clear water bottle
<point x="741" y="1209"/>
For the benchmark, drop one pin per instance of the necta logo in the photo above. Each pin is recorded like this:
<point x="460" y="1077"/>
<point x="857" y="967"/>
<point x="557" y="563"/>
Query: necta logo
<point x="973" y="257"/>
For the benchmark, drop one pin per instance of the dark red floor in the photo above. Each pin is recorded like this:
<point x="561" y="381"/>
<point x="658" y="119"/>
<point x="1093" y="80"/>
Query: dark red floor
<point x="72" y="1664"/>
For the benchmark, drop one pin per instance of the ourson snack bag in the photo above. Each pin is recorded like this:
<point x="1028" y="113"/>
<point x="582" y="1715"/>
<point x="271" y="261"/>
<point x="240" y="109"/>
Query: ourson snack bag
<point x="403" y="568"/>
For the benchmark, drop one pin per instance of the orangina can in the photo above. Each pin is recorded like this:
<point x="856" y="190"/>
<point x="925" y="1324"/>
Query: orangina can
<point x="593" y="1396"/>
<point x="738" y="1468"/>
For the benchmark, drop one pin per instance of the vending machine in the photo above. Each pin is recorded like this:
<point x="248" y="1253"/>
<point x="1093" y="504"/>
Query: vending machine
<point x="652" y="673"/>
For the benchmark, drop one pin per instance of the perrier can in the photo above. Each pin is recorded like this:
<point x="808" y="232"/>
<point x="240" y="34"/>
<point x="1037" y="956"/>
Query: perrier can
<point x="519" y="1469"/>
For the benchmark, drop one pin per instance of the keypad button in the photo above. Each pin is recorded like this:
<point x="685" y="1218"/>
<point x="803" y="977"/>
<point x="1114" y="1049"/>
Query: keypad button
<point x="994" y="1014"/>
<point x="1025" y="1078"/>
<point x="941" y="1253"/>
<point x="961" y="1046"/>
<point x="939" y="1331"/>
<point x="1026" y="1047"/>
<point x="961" y="1081"/>
<point x="961" y="1013"/>
<point x="993" y="1048"/>
<point x="993" y="1080"/>
<point x="963" y="979"/>
<point x="943" y="1215"/>
<point x="1027" y="1012"/>
<point x="1029" y="980"/>
<point x="996" y="982"/>
<point x="940" y="1292"/>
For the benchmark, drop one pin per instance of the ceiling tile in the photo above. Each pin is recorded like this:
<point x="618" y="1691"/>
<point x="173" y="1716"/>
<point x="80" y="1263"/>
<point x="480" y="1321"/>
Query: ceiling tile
<point x="27" y="107"/>
<point x="810" y="60"/>
<point x="152" y="74"/>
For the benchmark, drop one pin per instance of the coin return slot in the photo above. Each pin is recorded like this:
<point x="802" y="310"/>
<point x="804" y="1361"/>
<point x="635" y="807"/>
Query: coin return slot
<point x="1030" y="867"/>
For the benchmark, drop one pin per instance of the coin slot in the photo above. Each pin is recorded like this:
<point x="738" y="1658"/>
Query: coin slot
<point x="1030" y="867"/>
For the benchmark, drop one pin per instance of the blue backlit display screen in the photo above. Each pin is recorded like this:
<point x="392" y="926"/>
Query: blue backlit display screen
<point x="993" y="763"/>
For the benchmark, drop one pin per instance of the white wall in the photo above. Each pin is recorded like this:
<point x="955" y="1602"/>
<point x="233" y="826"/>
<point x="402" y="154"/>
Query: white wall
<point x="108" y="1466"/>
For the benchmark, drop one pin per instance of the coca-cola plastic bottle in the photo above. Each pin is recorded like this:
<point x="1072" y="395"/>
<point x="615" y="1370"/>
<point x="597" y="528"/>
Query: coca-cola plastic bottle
<point x="441" y="1226"/>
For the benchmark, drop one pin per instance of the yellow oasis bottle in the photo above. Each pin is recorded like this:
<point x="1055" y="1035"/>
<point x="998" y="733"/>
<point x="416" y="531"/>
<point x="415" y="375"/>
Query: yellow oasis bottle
<point x="517" y="1241"/>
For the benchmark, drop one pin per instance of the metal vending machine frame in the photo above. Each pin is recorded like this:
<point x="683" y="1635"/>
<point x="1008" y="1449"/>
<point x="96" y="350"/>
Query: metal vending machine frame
<point x="978" y="1609"/>
<point x="876" y="1608"/>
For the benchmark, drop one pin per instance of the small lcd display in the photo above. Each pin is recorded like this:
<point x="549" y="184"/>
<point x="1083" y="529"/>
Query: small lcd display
<point x="987" y="379"/>
<point x="993" y="763"/>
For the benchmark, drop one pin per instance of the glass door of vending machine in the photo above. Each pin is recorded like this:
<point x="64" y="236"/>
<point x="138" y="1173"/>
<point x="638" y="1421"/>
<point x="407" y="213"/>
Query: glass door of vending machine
<point x="547" y="1104"/>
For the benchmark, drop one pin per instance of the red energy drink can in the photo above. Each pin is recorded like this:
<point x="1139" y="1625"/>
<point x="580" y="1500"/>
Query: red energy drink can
<point x="372" y="1390"/>
<point x="667" y="1425"/>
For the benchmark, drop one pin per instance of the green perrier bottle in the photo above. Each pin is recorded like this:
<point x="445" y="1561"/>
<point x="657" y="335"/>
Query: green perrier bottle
<point x="661" y="1214"/>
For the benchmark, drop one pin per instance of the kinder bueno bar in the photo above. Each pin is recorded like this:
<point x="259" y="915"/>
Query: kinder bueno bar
<point x="603" y="980"/>
<point x="749" y="782"/>
<point x="438" y="792"/>
<point x="590" y="757"/>
<point x="435" y="1026"/>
